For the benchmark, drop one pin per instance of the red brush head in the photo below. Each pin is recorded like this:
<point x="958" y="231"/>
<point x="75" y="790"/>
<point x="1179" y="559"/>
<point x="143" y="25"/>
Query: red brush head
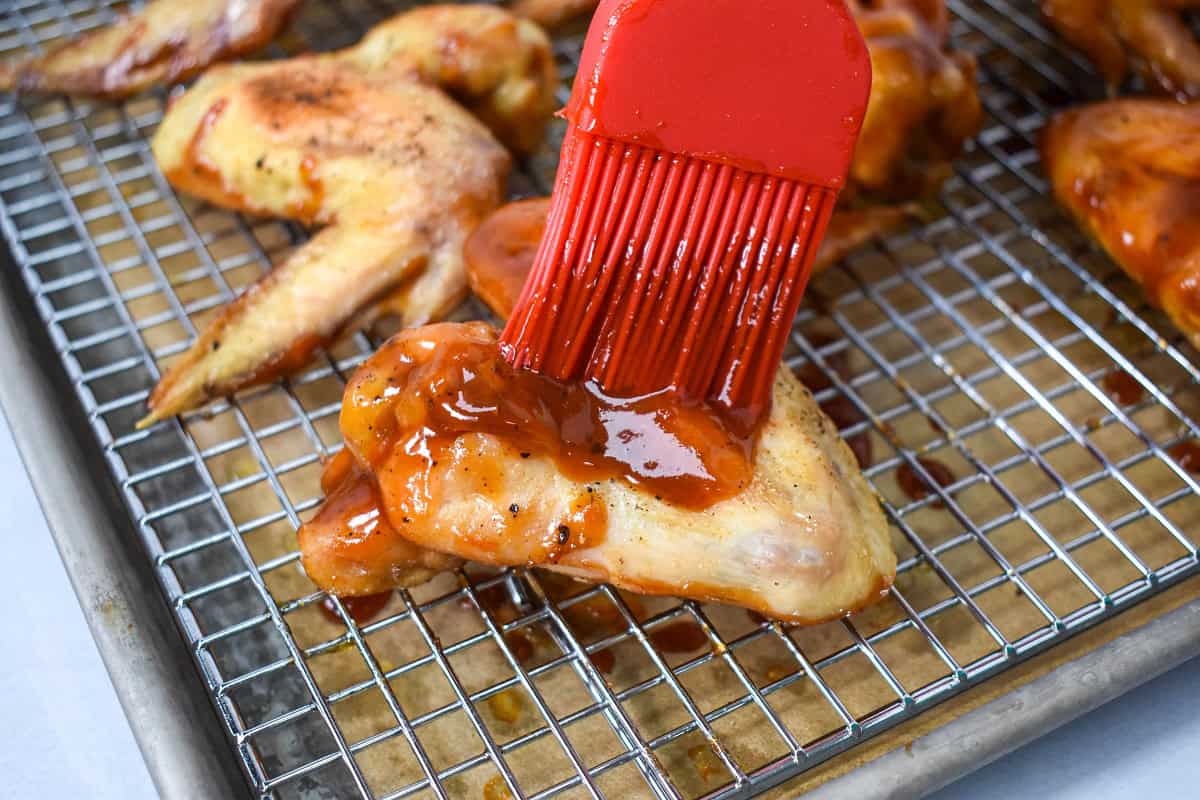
<point x="771" y="86"/>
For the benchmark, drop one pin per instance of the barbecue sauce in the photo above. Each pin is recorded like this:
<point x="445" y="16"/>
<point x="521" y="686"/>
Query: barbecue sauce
<point x="1188" y="455"/>
<point x="361" y="609"/>
<point x="1123" y="387"/>
<point x="915" y="486"/>
<point x="684" y="636"/>
<point x="408" y="405"/>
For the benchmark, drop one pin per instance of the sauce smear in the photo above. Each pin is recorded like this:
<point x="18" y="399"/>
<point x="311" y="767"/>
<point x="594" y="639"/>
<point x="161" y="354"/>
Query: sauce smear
<point x="679" y="637"/>
<point x="1188" y="455"/>
<point x="914" y="484"/>
<point x="1123" y="387"/>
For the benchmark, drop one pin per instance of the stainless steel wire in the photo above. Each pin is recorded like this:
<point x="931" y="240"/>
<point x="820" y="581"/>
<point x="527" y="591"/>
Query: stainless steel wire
<point x="982" y="341"/>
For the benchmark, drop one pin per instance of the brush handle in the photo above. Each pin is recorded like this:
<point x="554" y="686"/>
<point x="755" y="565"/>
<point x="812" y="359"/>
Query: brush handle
<point x="777" y="87"/>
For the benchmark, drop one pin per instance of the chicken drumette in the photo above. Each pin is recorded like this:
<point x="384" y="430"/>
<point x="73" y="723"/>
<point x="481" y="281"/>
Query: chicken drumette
<point x="368" y="145"/>
<point x="1129" y="172"/>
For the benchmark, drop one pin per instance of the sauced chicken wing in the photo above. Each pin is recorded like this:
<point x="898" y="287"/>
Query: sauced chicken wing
<point x="450" y="450"/>
<point x="166" y="42"/>
<point x="1151" y="37"/>
<point x="367" y="147"/>
<point x="924" y="102"/>
<point x="1129" y="171"/>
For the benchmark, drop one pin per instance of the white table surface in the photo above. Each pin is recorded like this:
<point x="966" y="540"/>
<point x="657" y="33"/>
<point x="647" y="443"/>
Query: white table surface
<point x="66" y="736"/>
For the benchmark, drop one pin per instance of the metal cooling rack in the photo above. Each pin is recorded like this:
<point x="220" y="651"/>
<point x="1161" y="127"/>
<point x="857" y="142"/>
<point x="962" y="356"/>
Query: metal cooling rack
<point x="982" y="340"/>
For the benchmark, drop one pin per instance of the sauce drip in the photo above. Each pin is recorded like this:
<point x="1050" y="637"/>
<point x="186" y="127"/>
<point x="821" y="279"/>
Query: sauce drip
<point x="684" y="636"/>
<point x="522" y="644"/>
<point x="361" y="609"/>
<point x="915" y="486"/>
<point x="409" y="403"/>
<point x="1123" y="387"/>
<point x="604" y="660"/>
<point x="1188" y="455"/>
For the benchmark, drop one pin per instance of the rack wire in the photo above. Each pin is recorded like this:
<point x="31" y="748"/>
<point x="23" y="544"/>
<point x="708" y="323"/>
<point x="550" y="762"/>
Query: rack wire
<point x="982" y="342"/>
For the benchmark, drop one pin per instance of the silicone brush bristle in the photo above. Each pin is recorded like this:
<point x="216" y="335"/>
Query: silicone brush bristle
<point x="706" y="146"/>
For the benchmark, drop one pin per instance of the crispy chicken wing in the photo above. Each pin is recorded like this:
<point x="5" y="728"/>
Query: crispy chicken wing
<point x="364" y="145"/>
<point x="1151" y="37"/>
<point x="1129" y="171"/>
<point x="798" y="535"/>
<point x="167" y="42"/>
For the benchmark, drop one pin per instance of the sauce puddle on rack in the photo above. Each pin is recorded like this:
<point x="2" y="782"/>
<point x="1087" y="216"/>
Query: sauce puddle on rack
<point x="916" y="487"/>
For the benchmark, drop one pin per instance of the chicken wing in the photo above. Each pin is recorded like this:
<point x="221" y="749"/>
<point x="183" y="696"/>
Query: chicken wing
<point x="365" y="146"/>
<point x="924" y="101"/>
<point x="1129" y="172"/>
<point x="1150" y="37"/>
<point x="166" y="42"/>
<point x="453" y="451"/>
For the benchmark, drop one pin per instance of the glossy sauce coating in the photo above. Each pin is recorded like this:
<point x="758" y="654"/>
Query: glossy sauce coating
<point x="424" y="389"/>
<point x="500" y="254"/>
<point x="1129" y="171"/>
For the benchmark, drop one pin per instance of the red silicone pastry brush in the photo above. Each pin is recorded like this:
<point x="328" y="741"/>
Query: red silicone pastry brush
<point x="706" y="146"/>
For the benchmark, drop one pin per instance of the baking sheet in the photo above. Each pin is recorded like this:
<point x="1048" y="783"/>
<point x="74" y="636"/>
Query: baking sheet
<point x="980" y="339"/>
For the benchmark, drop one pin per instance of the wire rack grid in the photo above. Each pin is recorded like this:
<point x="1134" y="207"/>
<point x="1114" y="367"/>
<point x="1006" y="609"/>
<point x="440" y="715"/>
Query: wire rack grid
<point x="978" y="352"/>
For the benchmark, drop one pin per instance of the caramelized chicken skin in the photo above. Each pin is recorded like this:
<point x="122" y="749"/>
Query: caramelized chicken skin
<point x="367" y="147"/>
<point x="1129" y="172"/>
<point x="1150" y="37"/>
<point x="469" y="460"/>
<point x="924" y="101"/>
<point x="166" y="42"/>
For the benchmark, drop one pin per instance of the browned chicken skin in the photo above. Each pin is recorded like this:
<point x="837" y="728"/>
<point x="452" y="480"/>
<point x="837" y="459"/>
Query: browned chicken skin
<point x="552" y="13"/>
<point x="167" y="42"/>
<point x="1150" y="37"/>
<point x="365" y="144"/>
<point x="1129" y="171"/>
<point x="924" y="102"/>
